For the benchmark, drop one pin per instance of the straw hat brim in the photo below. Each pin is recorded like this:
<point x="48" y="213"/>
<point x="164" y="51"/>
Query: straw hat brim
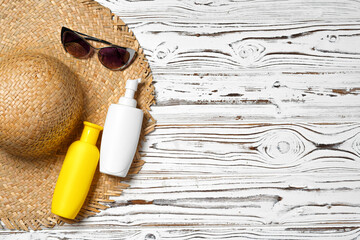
<point x="26" y="186"/>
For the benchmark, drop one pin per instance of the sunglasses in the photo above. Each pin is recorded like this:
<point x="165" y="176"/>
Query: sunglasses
<point x="113" y="57"/>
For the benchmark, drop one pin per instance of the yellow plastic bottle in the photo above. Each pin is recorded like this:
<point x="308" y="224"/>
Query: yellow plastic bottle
<point x="76" y="173"/>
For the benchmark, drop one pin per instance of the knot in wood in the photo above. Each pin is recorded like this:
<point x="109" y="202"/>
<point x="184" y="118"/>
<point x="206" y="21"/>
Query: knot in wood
<point x="282" y="146"/>
<point x="248" y="52"/>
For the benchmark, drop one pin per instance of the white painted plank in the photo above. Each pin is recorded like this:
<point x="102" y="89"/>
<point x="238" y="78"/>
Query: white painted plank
<point x="186" y="49"/>
<point x="319" y="89"/>
<point x="278" y="88"/>
<point x="254" y="114"/>
<point x="184" y="201"/>
<point x="234" y="149"/>
<point x="327" y="233"/>
<point x="319" y="201"/>
<point x="257" y="12"/>
<point x="280" y="96"/>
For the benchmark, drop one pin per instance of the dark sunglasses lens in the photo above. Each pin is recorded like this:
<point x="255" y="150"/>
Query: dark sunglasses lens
<point x="75" y="45"/>
<point x="113" y="57"/>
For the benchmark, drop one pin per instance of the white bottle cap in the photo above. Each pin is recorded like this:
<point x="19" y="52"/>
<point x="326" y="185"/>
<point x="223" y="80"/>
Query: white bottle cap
<point x="128" y="98"/>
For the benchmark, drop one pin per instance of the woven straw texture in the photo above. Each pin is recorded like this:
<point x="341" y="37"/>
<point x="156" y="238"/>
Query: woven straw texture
<point x="30" y="36"/>
<point x="48" y="116"/>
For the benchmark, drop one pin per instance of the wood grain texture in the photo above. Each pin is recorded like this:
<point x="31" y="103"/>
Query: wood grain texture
<point x="343" y="233"/>
<point x="256" y="12"/>
<point x="258" y="97"/>
<point x="283" y="66"/>
<point x="257" y="148"/>
<point x="302" y="48"/>
<point x="223" y="201"/>
<point x="208" y="36"/>
<point x="258" y="133"/>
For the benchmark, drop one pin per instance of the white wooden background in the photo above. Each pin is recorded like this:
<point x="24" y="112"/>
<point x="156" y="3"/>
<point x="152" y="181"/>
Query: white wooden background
<point x="258" y="135"/>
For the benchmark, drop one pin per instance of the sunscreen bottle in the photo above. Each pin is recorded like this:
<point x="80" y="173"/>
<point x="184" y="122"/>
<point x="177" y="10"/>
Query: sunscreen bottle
<point x="121" y="133"/>
<point x="76" y="173"/>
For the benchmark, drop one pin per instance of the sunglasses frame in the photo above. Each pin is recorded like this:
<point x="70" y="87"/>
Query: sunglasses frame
<point x="85" y="37"/>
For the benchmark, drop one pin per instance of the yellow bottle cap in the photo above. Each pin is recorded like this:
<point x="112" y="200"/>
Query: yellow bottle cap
<point x="90" y="133"/>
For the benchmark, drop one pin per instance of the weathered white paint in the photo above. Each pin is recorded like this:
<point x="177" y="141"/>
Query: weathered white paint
<point x="260" y="97"/>
<point x="258" y="149"/>
<point x="166" y="233"/>
<point x="258" y="133"/>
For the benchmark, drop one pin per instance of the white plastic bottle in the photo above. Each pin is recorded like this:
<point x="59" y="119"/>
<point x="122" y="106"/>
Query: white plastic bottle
<point x="121" y="133"/>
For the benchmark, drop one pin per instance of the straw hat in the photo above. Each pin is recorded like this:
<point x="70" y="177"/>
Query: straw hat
<point x="45" y="94"/>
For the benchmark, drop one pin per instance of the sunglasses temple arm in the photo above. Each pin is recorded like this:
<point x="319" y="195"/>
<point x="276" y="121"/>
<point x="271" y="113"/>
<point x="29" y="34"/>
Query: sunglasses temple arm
<point x="87" y="37"/>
